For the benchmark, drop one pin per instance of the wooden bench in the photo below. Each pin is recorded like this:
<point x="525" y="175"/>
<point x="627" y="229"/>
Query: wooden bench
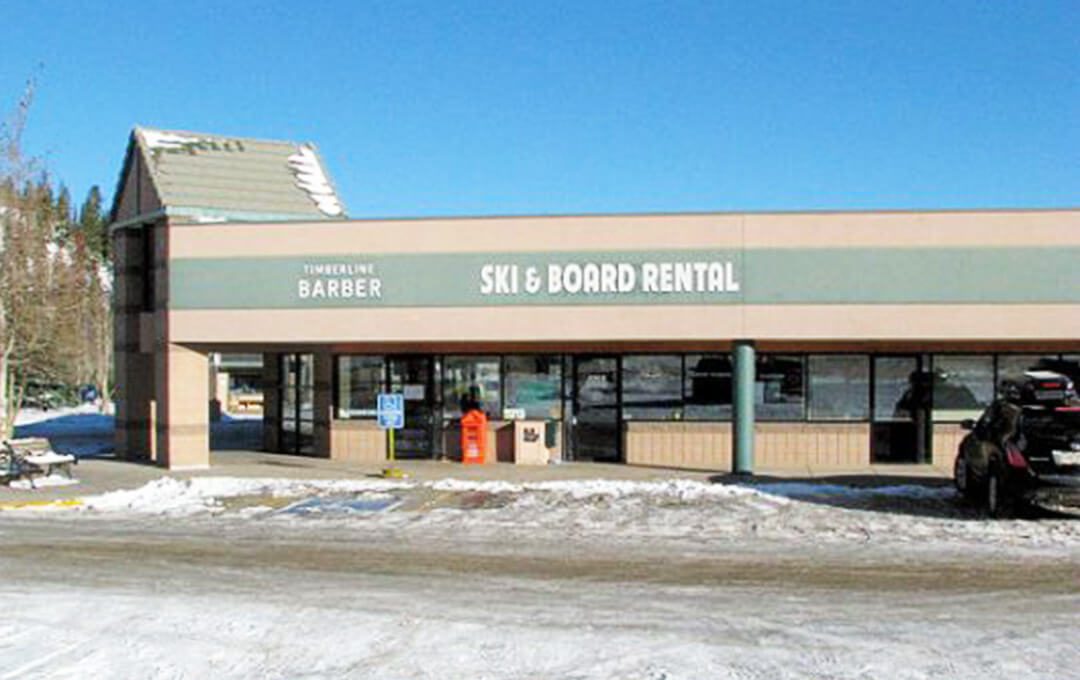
<point x="32" y="457"/>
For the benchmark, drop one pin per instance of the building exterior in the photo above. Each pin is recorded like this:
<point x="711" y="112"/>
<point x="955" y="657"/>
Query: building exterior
<point x="706" y="341"/>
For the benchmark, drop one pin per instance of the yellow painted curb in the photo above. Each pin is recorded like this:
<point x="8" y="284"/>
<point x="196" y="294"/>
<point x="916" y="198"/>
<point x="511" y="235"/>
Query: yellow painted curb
<point x="65" y="503"/>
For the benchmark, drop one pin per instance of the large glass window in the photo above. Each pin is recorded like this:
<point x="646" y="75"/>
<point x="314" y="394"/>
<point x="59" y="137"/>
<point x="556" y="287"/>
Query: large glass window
<point x="360" y="379"/>
<point x="652" y="387"/>
<point x="839" y="386"/>
<point x="778" y="389"/>
<point x="533" y="386"/>
<point x="1014" y="365"/>
<point x="471" y="380"/>
<point x="963" y="386"/>
<point x="894" y="379"/>
<point x="708" y="387"/>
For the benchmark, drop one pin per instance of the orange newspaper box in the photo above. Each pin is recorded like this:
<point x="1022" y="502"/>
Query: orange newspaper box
<point x="473" y="437"/>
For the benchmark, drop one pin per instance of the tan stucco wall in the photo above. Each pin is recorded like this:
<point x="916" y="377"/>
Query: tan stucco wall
<point x="359" y="441"/>
<point x="702" y="446"/>
<point x="149" y="360"/>
<point x="642" y="232"/>
<point x="811" y="446"/>
<point x="655" y="323"/>
<point x="946" y="441"/>
<point x="778" y="446"/>
<point x="856" y="323"/>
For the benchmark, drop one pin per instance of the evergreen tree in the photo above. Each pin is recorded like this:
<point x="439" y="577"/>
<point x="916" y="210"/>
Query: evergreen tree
<point x="63" y="211"/>
<point x="93" y="223"/>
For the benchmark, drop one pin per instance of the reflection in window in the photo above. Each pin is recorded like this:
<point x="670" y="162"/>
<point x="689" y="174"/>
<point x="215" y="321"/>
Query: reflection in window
<point x="897" y="388"/>
<point x="471" y="381"/>
<point x="839" y="387"/>
<point x="533" y="385"/>
<point x="652" y="387"/>
<point x="708" y="387"/>
<point x="963" y="386"/>
<point x="1068" y="365"/>
<point x="1014" y="365"/>
<point x="778" y="388"/>
<point x="360" y="379"/>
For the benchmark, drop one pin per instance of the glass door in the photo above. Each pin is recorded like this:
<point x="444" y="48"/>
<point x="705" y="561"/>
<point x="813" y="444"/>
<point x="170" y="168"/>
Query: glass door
<point x="595" y="425"/>
<point x="414" y="377"/>
<point x="901" y="427"/>
<point x="298" y="403"/>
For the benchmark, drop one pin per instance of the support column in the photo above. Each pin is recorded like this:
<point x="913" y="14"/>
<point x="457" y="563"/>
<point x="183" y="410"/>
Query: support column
<point x="133" y="361"/>
<point x="271" y="385"/>
<point x="183" y="423"/>
<point x="743" y="397"/>
<point x="324" y="402"/>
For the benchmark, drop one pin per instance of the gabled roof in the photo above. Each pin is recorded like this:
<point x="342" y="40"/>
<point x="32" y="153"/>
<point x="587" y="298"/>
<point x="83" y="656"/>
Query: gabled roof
<point x="212" y="177"/>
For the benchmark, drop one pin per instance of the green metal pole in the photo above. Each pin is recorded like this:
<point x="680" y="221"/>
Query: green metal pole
<point x="743" y="389"/>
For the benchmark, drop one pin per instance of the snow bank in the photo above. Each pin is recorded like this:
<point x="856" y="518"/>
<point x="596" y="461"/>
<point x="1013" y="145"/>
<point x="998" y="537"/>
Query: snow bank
<point x="598" y="510"/>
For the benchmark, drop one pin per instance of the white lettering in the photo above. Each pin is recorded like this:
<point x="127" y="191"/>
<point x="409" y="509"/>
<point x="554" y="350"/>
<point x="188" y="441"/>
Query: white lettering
<point x="572" y="278"/>
<point x="730" y="283"/>
<point x="649" y="278"/>
<point x="667" y="282"/>
<point x="716" y="277"/>
<point x="532" y="281"/>
<point x="486" y="282"/>
<point x="554" y="279"/>
<point x="303" y="288"/>
<point x="684" y="277"/>
<point x="591" y="276"/>
<point x="627" y="277"/>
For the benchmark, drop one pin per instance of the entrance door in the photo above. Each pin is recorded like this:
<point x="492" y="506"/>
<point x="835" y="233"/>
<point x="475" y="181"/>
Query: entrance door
<point x="298" y="403"/>
<point x="414" y="377"/>
<point x="595" y="426"/>
<point x="901" y="428"/>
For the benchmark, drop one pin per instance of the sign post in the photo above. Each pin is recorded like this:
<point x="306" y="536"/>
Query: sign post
<point x="390" y="413"/>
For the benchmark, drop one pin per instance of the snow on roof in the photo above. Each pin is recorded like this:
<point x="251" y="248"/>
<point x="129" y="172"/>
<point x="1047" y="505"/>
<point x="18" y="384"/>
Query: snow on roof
<point x="210" y="178"/>
<point x="311" y="178"/>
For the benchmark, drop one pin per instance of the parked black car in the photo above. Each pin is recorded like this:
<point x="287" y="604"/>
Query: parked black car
<point x="1024" y="452"/>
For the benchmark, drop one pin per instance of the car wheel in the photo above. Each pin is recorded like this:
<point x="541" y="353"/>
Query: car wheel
<point x="999" y="505"/>
<point x="960" y="475"/>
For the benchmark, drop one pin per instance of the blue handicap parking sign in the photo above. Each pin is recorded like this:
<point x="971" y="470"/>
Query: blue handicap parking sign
<point x="390" y="411"/>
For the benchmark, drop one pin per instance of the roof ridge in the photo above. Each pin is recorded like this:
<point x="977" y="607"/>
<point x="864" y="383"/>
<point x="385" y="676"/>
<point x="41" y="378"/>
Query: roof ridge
<point x="214" y="135"/>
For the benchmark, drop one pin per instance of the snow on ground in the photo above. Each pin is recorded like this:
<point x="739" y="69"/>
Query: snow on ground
<point x="42" y="482"/>
<point x="611" y="510"/>
<point x="84" y="431"/>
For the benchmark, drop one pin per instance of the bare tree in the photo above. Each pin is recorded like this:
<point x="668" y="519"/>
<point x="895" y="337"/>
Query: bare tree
<point x="54" y="312"/>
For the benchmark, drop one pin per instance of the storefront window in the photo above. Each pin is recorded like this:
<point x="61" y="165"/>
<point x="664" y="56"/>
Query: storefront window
<point x="1014" y="365"/>
<point x="360" y="379"/>
<point x="533" y="386"/>
<point x="963" y="386"/>
<point x="652" y="387"/>
<point x="839" y="386"/>
<point x="778" y="390"/>
<point x="471" y="380"/>
<point x="708" y="387"/>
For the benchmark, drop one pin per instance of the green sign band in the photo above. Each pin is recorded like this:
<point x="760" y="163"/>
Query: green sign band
<point x="753" y="276"/>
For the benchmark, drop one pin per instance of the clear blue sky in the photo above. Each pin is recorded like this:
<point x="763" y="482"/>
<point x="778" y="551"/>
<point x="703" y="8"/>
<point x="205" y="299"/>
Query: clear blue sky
<point x="507" y="107"/>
